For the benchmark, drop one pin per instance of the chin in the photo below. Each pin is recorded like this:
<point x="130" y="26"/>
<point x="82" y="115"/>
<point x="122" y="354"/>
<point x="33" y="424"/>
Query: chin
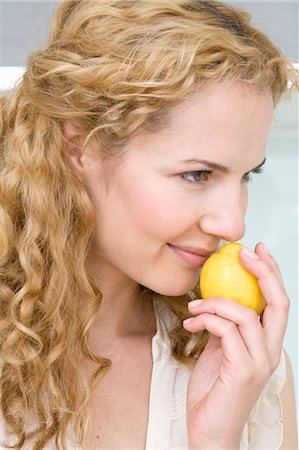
<point x="172" y="289"/>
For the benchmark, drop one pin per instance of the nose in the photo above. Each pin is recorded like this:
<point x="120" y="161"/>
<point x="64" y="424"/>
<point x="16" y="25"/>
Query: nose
<point x="225" y="215"/>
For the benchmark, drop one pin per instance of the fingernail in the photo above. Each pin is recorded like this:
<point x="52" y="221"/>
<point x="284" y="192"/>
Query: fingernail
<point x="250" y="253"/>
<point x="186" y="321"/>
<point x="195" y="303"/>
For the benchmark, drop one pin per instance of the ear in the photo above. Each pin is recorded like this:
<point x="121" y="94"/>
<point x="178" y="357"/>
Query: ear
<point x="72" y="144"/>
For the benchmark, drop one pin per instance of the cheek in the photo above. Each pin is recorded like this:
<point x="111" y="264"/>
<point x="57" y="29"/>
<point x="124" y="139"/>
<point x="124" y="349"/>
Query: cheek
<point x="160" y="212"/>
<point x="142" y="221"/>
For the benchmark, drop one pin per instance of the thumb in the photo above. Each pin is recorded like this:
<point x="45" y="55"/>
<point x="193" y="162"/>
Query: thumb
<point x="250" y="260"/>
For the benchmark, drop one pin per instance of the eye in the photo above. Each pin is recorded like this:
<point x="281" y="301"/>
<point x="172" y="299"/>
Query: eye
<point x="248" y="175"/>
<point x="199" y="176"/>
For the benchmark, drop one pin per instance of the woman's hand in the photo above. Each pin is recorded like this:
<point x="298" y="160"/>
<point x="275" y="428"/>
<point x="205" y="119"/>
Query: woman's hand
<point x="240" y="357"/>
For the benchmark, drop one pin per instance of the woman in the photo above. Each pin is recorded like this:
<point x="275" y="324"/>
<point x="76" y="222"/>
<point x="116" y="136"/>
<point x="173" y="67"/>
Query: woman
<point x="125" y="156"/>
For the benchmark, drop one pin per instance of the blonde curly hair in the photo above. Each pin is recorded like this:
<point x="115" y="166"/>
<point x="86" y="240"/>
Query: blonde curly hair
<point x="111" y="67"/>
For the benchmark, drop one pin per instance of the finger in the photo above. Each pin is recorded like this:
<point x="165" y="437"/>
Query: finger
<point x="234" y="348"/>
<point x="275" y="315"/>
<point x="263" y="253"/>
<point x="245" y="319"/>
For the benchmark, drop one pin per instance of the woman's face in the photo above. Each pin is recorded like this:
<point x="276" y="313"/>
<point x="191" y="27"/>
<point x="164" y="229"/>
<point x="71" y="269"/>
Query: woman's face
<point x="183" y="187"/>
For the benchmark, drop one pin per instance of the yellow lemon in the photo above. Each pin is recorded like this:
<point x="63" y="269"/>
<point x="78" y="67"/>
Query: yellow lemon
<point x="222" y="275"/>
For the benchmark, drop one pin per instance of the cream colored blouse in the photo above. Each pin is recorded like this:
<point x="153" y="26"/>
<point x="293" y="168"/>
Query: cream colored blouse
<point x="167" y="428"/>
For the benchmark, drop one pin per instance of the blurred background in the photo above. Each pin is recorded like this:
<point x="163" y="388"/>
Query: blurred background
<point x="273" y="197"/>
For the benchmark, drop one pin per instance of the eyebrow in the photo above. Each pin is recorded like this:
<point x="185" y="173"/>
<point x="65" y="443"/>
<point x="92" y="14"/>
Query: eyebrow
<point x="213" y="165"/>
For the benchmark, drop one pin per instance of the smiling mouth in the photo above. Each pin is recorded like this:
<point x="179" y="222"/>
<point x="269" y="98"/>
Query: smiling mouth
<point x="192" y="260"/>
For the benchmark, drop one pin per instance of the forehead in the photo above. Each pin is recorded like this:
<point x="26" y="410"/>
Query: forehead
<point x="217" y="117"/>
<point x="220" y="102"/>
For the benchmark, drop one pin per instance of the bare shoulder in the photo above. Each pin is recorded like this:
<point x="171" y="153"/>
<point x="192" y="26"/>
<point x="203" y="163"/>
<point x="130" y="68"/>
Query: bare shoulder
<point x="290" y="437"/>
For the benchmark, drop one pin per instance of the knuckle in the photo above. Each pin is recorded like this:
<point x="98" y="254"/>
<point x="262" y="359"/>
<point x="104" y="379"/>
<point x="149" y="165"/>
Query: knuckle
<point x="230" y="327"/>
<point x="269" y="269"/>
<point x="286" y="304"/>
<point x="273" y="262"/>
<point x="251" y="315"/>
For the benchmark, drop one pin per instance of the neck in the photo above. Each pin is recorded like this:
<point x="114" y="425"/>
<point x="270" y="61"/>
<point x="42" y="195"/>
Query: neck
<point x="123" y="312"/>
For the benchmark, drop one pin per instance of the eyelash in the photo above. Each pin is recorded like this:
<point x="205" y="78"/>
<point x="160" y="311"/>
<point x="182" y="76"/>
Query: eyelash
<point x="206" y="173"/>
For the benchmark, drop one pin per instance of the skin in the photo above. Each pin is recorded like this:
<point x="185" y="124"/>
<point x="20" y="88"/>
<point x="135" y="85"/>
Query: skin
<point x="146" y="199"/>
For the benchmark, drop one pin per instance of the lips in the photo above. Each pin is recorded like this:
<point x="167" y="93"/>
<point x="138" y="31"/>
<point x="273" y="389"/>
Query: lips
<point x="193" y="257"/>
